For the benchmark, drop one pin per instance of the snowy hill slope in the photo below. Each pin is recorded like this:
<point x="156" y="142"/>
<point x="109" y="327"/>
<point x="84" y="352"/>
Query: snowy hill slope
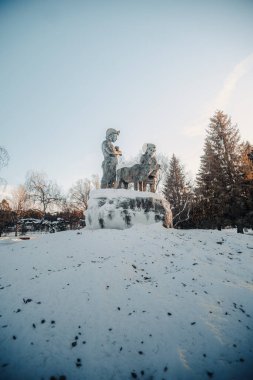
<point x="146" y="303"/>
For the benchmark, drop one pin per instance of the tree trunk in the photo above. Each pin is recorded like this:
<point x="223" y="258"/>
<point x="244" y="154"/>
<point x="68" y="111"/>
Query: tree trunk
<point x="240" y="229"/>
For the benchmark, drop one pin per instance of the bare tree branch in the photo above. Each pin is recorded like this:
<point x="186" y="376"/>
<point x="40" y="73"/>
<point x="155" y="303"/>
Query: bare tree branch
<point x="42" y="191"/>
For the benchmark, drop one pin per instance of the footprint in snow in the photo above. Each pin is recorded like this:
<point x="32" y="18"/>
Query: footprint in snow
<point x="78" y="363"/>
<point x="27" y="300"/>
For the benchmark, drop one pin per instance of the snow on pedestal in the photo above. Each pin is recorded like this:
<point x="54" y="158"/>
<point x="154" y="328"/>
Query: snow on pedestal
<point x="120" y="208"/>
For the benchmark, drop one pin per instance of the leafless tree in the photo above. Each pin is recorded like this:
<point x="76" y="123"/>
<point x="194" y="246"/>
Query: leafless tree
<point x="163" y="161"/>
<point x="20" y="199"/>
<point x="42" y="191"/>
<point x="4" y="159"/>
<point x="19" y="203"/>
<point x="80" y="191"/>
<point x="95" y="181"/>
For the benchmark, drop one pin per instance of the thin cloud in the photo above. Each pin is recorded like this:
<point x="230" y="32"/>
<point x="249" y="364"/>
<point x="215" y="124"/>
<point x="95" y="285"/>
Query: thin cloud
<point x="224" y="96"/>
<point x="237" y="73"/>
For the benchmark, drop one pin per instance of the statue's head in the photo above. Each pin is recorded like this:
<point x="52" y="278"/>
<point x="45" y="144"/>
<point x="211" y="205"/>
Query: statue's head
<point x="149" y="149"/>
<point x="112" y="134"/>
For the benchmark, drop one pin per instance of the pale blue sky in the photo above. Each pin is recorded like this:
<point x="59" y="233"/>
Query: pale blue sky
<point x="156" y="70"/>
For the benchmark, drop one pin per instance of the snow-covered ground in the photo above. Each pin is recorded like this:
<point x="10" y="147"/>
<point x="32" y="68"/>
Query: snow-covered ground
<point x="144" y="303"/>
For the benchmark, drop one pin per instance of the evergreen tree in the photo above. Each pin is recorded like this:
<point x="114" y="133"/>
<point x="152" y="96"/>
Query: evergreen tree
<point x="177" y="191"/>
<point x="247" y="161"/>
<point x="247" y="170"/>
<point x="219" y="180"/>
<point x="5" y="215"/>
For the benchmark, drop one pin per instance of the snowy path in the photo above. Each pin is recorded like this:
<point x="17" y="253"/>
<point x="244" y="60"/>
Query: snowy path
<point x="146" y="303"/>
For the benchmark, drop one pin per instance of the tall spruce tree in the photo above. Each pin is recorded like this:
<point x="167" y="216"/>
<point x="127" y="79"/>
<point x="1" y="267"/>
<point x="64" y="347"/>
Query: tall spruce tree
<point x="177" y="191"/>
<point x="219" y="180"/>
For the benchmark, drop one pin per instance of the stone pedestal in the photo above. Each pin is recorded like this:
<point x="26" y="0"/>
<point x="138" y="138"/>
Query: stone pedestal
<point x="120" y="209"/>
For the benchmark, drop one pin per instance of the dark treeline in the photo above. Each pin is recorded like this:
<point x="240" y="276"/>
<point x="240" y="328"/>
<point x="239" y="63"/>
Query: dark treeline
<point x="36" y="221"/>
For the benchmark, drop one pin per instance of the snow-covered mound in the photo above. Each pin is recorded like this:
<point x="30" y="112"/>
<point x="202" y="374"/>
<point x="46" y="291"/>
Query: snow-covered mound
<point x="120" y="209"/>
<point x="145" y="302"/>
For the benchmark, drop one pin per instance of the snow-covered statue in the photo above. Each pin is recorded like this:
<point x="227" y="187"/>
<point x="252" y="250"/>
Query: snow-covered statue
<point x="149" y="159"/>
<point x="111" y="154"/>
<point x="142" y="174"/>
<point x="113" y="207"/>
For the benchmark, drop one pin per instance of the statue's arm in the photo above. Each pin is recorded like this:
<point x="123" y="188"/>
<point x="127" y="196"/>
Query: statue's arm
<point x="109" y="149"/>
